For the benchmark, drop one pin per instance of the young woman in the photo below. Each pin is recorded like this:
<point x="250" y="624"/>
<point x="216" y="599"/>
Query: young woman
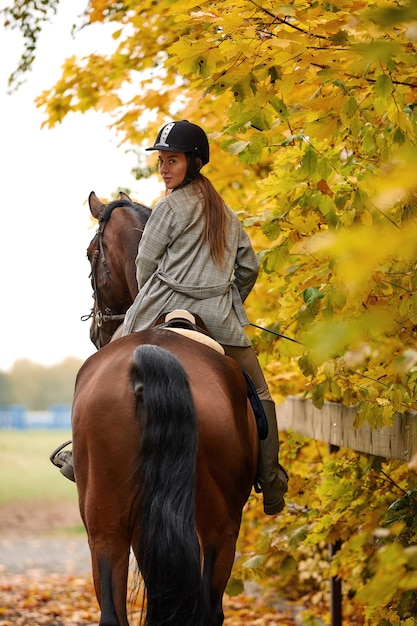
<point x="195" y="255"/>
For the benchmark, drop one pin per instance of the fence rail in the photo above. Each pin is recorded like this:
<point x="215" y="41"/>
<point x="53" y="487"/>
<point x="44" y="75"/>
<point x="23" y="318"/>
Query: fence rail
<point x="17" y="417"/>
<point x="334" y="424"/>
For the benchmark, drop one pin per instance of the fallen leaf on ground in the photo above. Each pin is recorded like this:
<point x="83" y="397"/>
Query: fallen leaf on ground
<point x="38" y="600"/>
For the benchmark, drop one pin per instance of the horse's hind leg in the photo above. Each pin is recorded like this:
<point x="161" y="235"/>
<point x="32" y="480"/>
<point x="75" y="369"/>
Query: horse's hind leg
<point x="212" y="598"/>
<point x="110" y="562"/>
<point x="219" y="549"/>
<point x="109" y="530"/>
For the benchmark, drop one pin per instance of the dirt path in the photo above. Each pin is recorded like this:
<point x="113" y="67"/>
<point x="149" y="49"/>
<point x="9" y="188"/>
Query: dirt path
<point x="37" y="517"/>
<point x="42" y="537"/>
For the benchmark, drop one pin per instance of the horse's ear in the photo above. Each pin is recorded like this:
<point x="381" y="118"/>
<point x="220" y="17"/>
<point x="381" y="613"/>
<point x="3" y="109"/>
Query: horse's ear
<point x="95" y="205"/>
<point x="124" y="196"/>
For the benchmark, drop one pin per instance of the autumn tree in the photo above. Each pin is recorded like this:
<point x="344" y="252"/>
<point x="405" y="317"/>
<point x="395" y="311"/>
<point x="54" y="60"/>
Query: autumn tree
<point x="36" y="386"/>
<point x="310" y="109"/>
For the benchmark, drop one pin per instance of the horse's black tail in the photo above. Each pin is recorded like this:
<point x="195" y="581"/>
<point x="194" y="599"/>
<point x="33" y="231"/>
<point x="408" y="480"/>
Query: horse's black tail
<point x="168" y="549"/>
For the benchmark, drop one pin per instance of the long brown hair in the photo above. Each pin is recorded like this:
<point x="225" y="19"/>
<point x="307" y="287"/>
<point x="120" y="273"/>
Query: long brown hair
<point x="216" y="219"/>
<point x="215" y="212"/>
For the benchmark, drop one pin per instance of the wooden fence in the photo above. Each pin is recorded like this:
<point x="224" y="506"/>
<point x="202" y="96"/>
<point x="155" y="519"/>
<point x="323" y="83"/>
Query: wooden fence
<point x="334" y="424"/>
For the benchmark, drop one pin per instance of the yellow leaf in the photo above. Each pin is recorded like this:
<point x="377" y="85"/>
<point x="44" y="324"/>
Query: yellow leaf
<point x="183" y="6"/>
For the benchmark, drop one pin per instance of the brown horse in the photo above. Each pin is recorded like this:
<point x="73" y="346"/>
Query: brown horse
<point x="113" y="275"/>
<point x="165" y="452"/>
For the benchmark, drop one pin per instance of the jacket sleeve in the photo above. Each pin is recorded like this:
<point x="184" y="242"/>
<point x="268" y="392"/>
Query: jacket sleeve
<point x="246" y="266"/>
<point x="155" y="240"/>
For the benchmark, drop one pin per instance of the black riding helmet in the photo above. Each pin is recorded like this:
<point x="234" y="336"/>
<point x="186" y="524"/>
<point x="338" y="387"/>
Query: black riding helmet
<point x="183" y="137"/>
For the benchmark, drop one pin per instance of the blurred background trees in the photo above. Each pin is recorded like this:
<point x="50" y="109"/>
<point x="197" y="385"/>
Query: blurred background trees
<point x="36" y="386"/>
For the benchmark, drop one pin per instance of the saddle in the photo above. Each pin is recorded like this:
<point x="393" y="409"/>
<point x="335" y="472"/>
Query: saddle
<point x="185" y="323"/>
<point x="192" y="326"/>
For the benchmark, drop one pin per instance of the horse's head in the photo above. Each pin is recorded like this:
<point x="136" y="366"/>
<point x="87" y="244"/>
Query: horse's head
<point x="112" y="253"/>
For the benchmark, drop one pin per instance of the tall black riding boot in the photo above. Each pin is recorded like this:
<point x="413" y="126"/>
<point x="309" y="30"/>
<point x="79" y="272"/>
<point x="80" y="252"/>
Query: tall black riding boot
<point x="271" y="476"/>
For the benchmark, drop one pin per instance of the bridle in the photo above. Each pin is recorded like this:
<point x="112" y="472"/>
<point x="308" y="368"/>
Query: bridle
<point x="102" y="313"/>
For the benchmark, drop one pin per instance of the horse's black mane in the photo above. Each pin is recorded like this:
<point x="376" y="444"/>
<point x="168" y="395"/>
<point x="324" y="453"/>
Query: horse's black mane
<point x="141" y="209"/>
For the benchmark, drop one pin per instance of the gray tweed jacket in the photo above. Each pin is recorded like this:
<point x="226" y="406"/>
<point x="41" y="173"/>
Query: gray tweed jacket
<point x="175" y="270"/>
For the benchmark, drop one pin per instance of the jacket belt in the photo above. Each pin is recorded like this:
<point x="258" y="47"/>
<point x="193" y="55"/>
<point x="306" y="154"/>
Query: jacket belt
<point x="201" y="293"/>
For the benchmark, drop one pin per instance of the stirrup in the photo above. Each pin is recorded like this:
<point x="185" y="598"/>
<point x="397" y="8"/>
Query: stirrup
<point x="61" y="461"/>
<point x="55" y="452"/>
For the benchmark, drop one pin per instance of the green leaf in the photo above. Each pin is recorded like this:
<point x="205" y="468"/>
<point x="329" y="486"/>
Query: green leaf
<point x="307" y="365"/>
<point x="383" y="86"/>
<point x="377" y="50"/>
<point x="276" y="258"/>
<point x="341" y="197"/>
<point x="234" y="587"/>
<point x="368" y="141"/>
<point x="275" y="73"/>
<point x="280" y="108"/>
<point x="326" y="204"/>
<point x="311" y="294"/>
<point x="390" y="16"/>
<point x="317" y="396"/>
<point x="324" y="168"/>
<point x="309" y="162"/>
<point x="272" y="229"/>
<point x="399" y="136"/>
<point x="349" y="108"/>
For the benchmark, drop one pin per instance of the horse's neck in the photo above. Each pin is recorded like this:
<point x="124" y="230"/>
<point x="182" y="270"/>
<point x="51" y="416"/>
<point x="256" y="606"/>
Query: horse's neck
<point x="131" y="281"/>
<point x="126" y="250"/>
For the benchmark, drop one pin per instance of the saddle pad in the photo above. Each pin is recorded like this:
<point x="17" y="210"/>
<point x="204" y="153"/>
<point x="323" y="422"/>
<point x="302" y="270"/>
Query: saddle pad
<point x="194" y="334"/>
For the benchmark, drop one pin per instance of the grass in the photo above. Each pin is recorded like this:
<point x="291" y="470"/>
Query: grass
<point x="26" y="473"/>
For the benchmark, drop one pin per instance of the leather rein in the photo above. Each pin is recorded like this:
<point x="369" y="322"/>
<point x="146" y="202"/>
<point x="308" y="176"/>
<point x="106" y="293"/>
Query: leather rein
<point x="103" y="313"/>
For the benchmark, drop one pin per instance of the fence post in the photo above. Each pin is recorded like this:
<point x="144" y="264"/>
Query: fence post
<point x="335" y="582"/>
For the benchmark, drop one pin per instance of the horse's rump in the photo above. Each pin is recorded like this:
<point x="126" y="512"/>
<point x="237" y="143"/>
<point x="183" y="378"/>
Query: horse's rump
<point x="110" y="461"/>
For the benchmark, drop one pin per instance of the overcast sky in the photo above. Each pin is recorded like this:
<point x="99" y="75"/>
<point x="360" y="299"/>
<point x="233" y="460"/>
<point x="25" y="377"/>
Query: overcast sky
<point x="46" y="177"/>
